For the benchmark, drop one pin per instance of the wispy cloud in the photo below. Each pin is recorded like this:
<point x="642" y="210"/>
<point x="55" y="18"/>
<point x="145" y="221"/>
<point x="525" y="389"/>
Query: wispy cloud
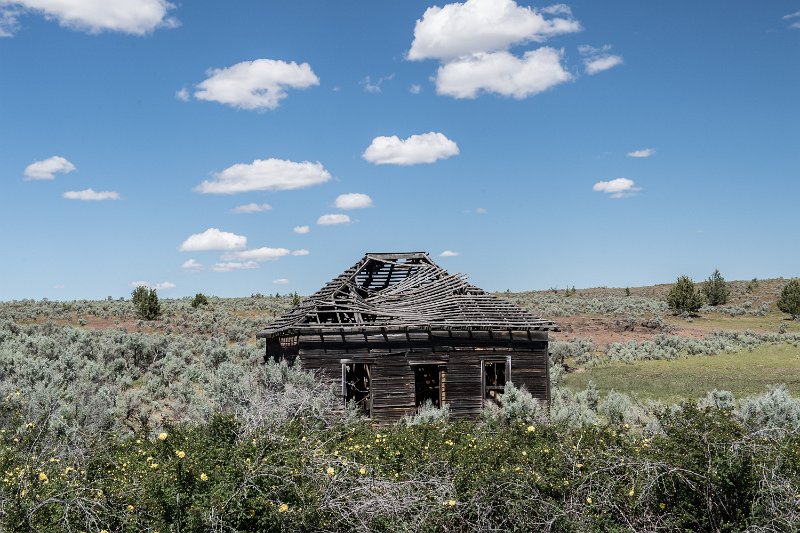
<point x="796" y="24"/>
<point x="257" y="254"/>
<point x="300" y="253"/>
<point x="301" y="230"/>
<point x="617" y="188"/>
<point x="90" y="195"/>
<point x="598" y="59"/>
<point x="255" y="85"/>
<point x="182" y="95"/>
<point x="375" y="87"/>
<point x="644" y="152"/>
<point x="234" y="265"/>
<point x="280" y="281"/>
<point x="251" y="208"/>
<point x="449" y="253"/>
<point x="265" y="175"/>
<point x="415" y="89"/>
<point x="416" y="149"/>
<point x="48" y="168"/>
<point x="192" y="265"/>
<point x="164" y="285"/>
<point x="332" y="220"/>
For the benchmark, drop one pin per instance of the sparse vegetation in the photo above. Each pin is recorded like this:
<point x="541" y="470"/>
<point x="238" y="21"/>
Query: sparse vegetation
<point x="88" y="392"/>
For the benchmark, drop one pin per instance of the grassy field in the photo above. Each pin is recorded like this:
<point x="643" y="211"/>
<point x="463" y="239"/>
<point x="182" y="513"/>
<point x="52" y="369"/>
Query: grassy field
<point x="720" y="322"/>
<point x="744" y="374"/>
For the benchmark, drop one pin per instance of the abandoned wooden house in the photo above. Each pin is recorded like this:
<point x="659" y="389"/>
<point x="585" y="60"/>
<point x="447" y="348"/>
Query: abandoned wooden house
<point x="396" y="330"/>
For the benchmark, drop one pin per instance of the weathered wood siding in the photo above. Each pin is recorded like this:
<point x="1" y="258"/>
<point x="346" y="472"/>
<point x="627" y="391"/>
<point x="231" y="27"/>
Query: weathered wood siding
<point x="392" y="356"/>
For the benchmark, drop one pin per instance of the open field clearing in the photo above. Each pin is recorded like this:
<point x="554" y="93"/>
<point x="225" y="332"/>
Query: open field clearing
<point x="747" y="373"/>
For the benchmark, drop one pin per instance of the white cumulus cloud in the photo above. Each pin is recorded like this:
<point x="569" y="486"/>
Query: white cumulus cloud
<point x="136" y="17"/>
<point x="331" y="220"/>
<point x="424" y="148"/>
<point x="300" y="252"/>
<point x="280" y="281"/>
<point x="265" y="175"/>
<point x="234" y="265"/>
<point x="449" y="253"/>
<point x="213" y="239"/>
<point x="158" y="286"/>
<point x="191" y="264"/>
<point x="255" y="85"/>
<point x="644" y="152"/>
<point x="617" y="188"/>
<point x="48" y="168"/>
<point x="353" y="200"/>
<point x="415" y="89"/>
<point x="502" y="73"/>
<point x="251" y="208"/>
<point x="182" y="95"/>
<point x="460" y="29"/>
<point x="301" y="230"/>
<point x="257" y="254"/>
<point x="91" y="195"/>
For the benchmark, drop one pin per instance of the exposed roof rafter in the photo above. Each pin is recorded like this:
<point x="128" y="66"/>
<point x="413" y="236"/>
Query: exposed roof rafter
<point x="402" y="291"/>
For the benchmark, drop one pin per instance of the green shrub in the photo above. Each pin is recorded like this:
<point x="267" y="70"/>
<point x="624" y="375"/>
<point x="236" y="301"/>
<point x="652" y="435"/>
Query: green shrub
<point x="145" y="301"/>
<point x="683" y="297"/>
<point x="789" y="301"/>
<point x="198" y="300"/>
<point x="716" y="290"/>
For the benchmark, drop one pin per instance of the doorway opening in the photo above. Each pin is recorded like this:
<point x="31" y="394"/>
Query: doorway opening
<point x="428" y="385"/>
<point x="356" y="381"/>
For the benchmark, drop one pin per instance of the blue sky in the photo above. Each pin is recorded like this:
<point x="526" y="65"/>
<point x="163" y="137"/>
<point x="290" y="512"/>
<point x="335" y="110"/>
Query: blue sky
<point x="499" y="131"/>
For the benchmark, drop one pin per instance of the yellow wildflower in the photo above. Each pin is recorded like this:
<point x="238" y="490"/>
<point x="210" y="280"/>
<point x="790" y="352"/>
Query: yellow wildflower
<point x="451" y="503"/>
<point x="162" y="436"/>
<point x="330" y="471"/>
<point x="630" y="493"/>
<point x="589" y="500"/>
<point x="283" y="508"/>
<point x="180" y="453"/>
<point x="130" y="507"/>
<point x="362" y="471"/>
<point x="662" y="505"/>
<point x="42" y="477"/>
<point x="203" y="476"/>
<point x="153" y="465"/>
<point x="531" y="429"/>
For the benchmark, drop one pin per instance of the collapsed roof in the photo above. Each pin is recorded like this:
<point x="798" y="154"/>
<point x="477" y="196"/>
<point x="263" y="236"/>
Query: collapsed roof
<point x="389" y="291"/>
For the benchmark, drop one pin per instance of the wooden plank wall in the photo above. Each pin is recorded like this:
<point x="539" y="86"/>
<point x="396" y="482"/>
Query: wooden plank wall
<point x="393" y="391"/>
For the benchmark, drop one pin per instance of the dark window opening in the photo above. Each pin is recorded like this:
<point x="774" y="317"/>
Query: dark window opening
<point x="494" y="380"/>
<point x="428" y="385"/>
<point x="356" y="383"/>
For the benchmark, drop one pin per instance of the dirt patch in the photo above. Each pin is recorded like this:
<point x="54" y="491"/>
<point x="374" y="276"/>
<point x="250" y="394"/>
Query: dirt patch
<point x="605" y="330"/>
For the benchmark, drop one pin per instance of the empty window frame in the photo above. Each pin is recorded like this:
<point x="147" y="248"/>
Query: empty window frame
<point x="427" y="385"/>
<point x="495" y="374"/>
<point x="356" y="384"/>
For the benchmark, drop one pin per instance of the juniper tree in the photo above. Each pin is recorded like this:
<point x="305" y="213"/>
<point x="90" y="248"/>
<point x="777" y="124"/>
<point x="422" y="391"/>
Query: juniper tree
<point x="789" y="301"/>
<point x="716" y="290"/>
<point x="683" y="297"/>
<point x="198" y="300"/>
<point x="145" y="301"/>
